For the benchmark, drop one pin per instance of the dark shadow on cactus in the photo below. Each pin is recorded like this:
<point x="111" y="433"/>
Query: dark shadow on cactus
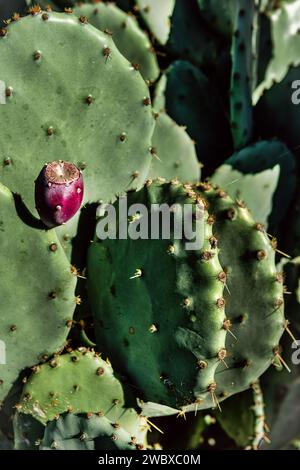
<point x="80" y="244"/>
<point x="8" y="405"/>
<point x="265" y="47"/>
<point x="85" y="233"/>
<point x="26" y="216"/>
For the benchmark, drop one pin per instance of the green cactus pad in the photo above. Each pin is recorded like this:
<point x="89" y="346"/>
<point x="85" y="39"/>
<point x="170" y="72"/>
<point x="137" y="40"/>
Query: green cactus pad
<point x="168" y="334"/>
<point x="190" y="37"/>
<point x="73" y="432"/>
<point x="131" y="41"/>
<point x="254" y="293"/>
<point x="68" y="100"/>
<point x="284" y="21"/>
<point x="175" y="155"/>
<point x="277" y="112"/>
<point x="192" y="101"/>
<point x="242" y="73"/>
<point x="157" y="15"/>
<point x="79" y="382"/>
<point x="36" y="290"/>
<point x="220" y="15"/>
<point x="263" y="176"/>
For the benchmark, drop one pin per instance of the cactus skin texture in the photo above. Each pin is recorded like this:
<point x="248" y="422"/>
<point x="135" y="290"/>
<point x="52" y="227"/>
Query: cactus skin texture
<point x="91" y="113"/>
<point x="157" y="16"/>
<point x="192" y="101"/>
<point x="78" y="382"/>
<point x="242" y="74"/>
<point x="284" y="124"/>
<point x="284" y="20"/>
<point x="186" y="306"/>
<point x="159" y="331"/>
<point x="175" y="155"/>
<point x="73" y="432"/>
<point x="37" y="292"/>
<point x="220" y="15"/>
<point x="179" y="26"/>
<point x="248" y="258"/>
<point x="129" y="38"/>
<point x="58" y="192"/>
<point x="262" y="175"/>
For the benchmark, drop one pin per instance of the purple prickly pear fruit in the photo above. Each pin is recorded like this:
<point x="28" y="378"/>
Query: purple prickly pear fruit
<point x="58" y="192"/>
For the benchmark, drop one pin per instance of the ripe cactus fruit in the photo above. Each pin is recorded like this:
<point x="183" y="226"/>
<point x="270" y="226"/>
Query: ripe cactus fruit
<point x="192" y="101"/>
<point x="168" y="333"/>
<point x="37" y="291"/>
<point x="129" y="38"/>
<point x="174" y="154"/>
<point x="80" y="382"/>
<point x="205" y="298"/>
<point x="262" y="175"/>
<point x="90" y="113"/>
<point x="58" y="192"/>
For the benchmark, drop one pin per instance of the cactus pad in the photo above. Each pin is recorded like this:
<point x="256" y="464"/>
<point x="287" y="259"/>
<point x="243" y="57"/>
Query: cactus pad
<point x="129" y="38"/>
<point x="37" y="292"/>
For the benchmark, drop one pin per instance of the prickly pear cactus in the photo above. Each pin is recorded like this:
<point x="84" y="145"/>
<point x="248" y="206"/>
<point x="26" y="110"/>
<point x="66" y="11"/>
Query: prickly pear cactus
<point x="284" y="20"/>
<point x="157" y="15"/>
<point x="192" y="101"/>
<point x="79" y="382"/>
<point x="96" y="432"/>
<point x="160" y="282"/>
<point x="174" y="152"/>
<point x="220" y="15"/>
<point x="72" y="382"/>
<point x="175" y="289"/>
<point x="130" y="103"/>
<point x="262" y="175"/>
<point x="37" y="291"/>
<point x="129" y="38"/>
<point x="242" y="73"/>
<point x="82" y="102"/>
<point x="277" y="111"/>
<point x="248" y="258"/>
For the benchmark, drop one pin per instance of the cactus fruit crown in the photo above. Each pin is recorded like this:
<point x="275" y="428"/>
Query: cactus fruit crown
<point x="60" y="172"/>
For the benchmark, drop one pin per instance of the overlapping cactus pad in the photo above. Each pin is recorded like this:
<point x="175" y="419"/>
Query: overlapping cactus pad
<point x="79" y="382"/>
<point x="197" y="313"/>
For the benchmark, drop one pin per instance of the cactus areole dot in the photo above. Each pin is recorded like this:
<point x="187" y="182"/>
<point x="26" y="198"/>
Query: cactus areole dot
<point x="58" y="192"/>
